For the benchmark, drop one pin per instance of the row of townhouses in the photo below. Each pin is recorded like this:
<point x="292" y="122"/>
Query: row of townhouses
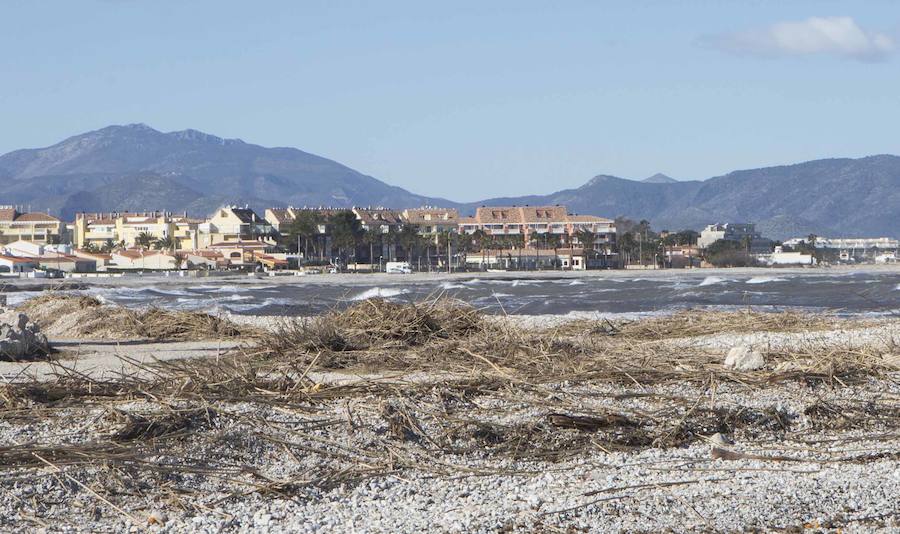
<point x="238" y="236"/>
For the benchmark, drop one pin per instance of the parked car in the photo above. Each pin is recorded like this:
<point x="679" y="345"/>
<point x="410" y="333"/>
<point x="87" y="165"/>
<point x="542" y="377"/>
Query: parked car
<point x="398" y="267"/>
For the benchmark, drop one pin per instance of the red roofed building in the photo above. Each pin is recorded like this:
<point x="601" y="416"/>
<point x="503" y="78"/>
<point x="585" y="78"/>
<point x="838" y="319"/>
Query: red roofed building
<point x="531" y="221"/>
<point x="35" y="226"/>
<point x="15" y="264"/>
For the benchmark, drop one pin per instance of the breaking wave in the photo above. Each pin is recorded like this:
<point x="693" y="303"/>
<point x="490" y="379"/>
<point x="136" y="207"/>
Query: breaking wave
<point x="379" y="292"/>
<point x="764" y="280"/>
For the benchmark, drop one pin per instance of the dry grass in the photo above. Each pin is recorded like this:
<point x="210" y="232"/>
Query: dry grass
<point x="445" y="336"/>
<point x="76" y="316"/>
<point x="492" y="393"/>
<point x="381" y="324"/>
<point x="693" y="323"/>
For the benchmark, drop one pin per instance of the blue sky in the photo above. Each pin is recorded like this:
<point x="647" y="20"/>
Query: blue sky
<point x="468" y="99"/>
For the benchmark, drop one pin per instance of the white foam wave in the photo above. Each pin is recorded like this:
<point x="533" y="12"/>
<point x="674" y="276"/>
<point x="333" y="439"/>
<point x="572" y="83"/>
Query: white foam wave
<point x="711" y="280"/>
<point x="379" y="292"/>
<point x="230" y="288"/>
<point x="576" y="283"/>
<point x="263" y="304"/>
<point x="764" y="280"/>
<point x="451" y="285"/>
<point x="171" y="292"/>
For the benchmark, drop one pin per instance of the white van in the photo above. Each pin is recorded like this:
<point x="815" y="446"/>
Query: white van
<point x="397" y="267"/>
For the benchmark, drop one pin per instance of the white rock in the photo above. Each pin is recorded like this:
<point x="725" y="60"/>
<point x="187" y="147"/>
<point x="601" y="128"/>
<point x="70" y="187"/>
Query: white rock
<point x="742" y="358"/>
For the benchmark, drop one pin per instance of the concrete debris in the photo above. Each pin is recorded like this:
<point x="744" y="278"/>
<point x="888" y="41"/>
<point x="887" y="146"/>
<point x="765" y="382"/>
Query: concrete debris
<point x="743" y="358"/>
<point x="20" y="338"/>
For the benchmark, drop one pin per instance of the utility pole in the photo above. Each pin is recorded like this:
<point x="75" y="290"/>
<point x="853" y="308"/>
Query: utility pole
<point x="641" y="248"/>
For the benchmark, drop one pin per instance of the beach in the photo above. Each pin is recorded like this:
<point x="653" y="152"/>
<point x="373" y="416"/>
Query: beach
<point x="390" y="416"/>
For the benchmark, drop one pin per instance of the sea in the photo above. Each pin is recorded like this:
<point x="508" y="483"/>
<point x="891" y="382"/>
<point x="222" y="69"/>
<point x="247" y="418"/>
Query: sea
<point x="872" y="293"/>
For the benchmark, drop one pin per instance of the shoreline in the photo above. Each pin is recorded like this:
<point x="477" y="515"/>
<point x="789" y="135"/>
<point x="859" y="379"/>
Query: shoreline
<point x="355" y="279"/>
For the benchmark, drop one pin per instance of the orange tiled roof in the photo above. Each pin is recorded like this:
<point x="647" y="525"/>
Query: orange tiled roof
<point x="94" y="255"/>
<point x="207" y="253"/>
<point x="36" y="217"/>
<point x="418" y="216"/>
<point x="588" y="218"/>
<point x="562" y="251"/>
<point x="19" y="259"/>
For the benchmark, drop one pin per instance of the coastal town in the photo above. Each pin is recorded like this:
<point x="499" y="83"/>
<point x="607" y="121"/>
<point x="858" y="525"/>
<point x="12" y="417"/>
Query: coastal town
<point x="427" y="239"/>
<point x="456" y="267"/>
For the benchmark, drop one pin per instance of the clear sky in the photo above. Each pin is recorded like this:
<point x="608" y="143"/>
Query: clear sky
<point x="468" y="99"/>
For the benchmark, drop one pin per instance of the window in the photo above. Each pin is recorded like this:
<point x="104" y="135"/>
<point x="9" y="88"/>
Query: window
<point x="235" y="255"/>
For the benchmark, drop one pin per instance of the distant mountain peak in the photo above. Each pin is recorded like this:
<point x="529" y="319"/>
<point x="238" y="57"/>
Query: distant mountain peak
<point x="132" y="127"/>
<point x="187" y="170"/>
<point x="198" y="136"/>
<point x="601" y="178"/>
<point x="659" y="178"/>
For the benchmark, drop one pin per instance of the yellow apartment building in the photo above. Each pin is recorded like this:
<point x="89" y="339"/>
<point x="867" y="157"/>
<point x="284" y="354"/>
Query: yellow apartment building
<point x="35" y="227"/>
<point x="125" y="228"/>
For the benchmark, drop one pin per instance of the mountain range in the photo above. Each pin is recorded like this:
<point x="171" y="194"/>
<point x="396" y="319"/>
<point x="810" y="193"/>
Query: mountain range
<point x="135" y="167"/>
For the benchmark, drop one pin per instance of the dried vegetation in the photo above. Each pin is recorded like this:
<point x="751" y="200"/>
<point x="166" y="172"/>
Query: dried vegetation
<point x="81" y="317"/>
<point x="436" y="387"/>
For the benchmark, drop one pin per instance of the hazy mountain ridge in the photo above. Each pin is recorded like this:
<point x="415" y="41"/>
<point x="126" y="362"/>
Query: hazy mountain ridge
<point x="659" y="178"/>
<point x="136" y="167"/>
<point x="218" y="170"/>
<point x="835" y="197"/>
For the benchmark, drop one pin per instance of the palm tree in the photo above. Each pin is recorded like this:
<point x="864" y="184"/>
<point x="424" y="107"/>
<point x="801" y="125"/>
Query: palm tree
<point x="165" y="243"/>
<point x="301" y="229"/>
<point x="372" y="237"/>
<point x="108" y="246"/>
<point x="347" y="232"/>
<point x="409" y="238"/>
<point x="444" y="242"/>
<point x="586" y="238"/>
<point x="554" y="241"/>
<point x="627" y="245"/>
<point x="389" y="238"/>
<point x="144" y="239"/>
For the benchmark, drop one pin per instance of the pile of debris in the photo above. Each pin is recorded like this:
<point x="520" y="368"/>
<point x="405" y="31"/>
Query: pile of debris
<point x="20" y="338"/>
<point x="74" y="316"/>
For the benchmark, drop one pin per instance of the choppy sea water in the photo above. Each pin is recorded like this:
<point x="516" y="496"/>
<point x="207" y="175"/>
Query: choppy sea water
<point x="850" y="293"/>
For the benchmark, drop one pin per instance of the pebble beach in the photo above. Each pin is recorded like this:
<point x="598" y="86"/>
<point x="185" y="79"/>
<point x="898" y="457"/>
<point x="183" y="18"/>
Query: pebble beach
<point x="505" y="424"/>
